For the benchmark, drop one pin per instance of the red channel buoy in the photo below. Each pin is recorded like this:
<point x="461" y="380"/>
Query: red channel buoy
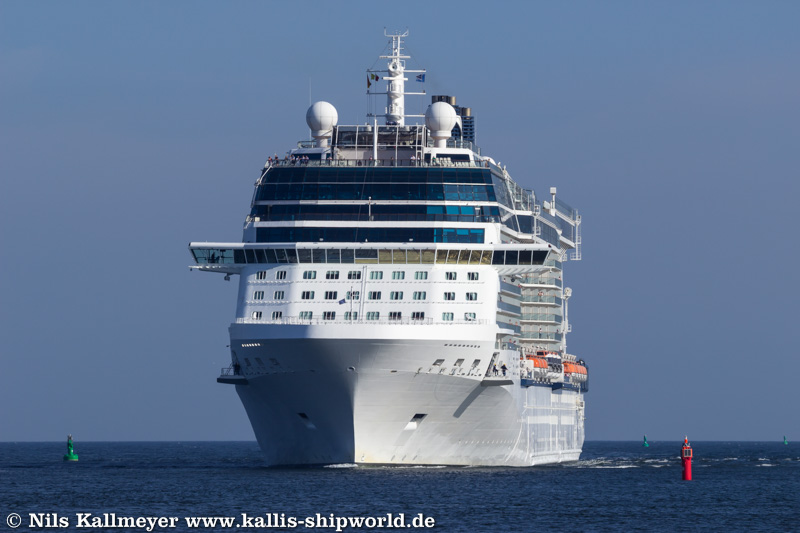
<point x="686" y="459"/>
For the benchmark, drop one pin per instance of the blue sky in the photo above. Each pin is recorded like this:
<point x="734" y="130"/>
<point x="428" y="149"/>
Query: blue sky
<point x="128" y="129"/>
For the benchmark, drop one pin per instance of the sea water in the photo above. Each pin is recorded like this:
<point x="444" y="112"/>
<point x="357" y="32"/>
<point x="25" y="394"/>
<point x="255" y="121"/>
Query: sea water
<point x="742" y="486"/>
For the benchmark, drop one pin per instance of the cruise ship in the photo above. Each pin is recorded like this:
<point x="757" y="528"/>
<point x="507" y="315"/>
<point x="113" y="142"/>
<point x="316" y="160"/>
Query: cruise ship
<point x="401" y="298"/>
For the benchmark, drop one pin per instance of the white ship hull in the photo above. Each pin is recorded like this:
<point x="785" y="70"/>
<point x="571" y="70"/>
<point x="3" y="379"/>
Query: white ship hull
<point x="323" y="401"/>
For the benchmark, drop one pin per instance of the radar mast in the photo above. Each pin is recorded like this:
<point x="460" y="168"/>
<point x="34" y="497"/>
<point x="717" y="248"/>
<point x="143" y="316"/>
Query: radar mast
<point x="394" y="75"/>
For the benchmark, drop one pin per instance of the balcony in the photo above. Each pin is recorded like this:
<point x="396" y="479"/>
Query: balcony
<point x="541" y="318"/>
<point x="544" y="300"/>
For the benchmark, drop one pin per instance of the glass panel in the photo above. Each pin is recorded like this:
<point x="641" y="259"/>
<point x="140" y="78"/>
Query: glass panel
<point x="271" y="258"/>
<point x="348" y="256"/>
<point x="475" y="257"/>
<point x="463" y="258"/>
<point x="385" y="256"/>
<point x="304" y="254"/>
<point x="511" y="257"/>
<point x="201" y="256"/>
<point x="333" y="256"/>
<point x="486" y="258"/>
<point x="260" y="256"/>
<point x="498" y="257"/>
<point x="318" y="256"/>
<point x="367" y="256"/>
<point x="250" y="255"/>
<point x="452" y="257"/>
<point x="291" y="255"/>
<point x="441" y="256"/>
<point x="399" y="257"/>
<point x="413" y="257"/>
<point x="428" y="257"/>
<point x="525" y="257"/>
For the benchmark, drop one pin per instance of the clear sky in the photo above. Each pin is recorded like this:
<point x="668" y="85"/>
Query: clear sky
<point x="128" y="129"/>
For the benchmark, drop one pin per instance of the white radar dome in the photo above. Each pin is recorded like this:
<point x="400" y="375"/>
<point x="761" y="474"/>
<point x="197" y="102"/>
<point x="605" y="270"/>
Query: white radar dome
<point x="321" y="117"/>
<point x="440" y="119"/>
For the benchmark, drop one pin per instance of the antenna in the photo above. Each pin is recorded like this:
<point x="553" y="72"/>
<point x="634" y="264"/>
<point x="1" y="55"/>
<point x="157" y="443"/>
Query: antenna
<point x="394" y="75"/>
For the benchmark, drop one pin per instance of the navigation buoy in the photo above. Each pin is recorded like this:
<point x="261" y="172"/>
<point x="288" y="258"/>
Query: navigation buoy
<point x="645" y="444"/>
<point x="686" y="458"/>
<point x="70" y="455"/>
<point x="785" y="441"/>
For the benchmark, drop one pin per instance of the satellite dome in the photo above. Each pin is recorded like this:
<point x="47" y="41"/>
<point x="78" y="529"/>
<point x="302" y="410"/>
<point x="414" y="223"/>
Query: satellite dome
<point x="440" y="119"/>
<point x="321" y="116"/>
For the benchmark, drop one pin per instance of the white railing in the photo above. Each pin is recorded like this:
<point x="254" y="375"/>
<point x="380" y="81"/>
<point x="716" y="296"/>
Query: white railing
<point x="293" y="320"/>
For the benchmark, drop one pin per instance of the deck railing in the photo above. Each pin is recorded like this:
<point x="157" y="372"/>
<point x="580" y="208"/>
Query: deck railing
<point x="436" y="162"/>
<point x="294" y="320"/>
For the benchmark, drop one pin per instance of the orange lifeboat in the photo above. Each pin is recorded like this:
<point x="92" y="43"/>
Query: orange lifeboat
<point x="577" y="371"/>
<point x="538" y="362"/>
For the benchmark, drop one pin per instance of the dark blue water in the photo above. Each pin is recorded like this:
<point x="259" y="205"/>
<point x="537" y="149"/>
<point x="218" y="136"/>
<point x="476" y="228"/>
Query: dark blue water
<point x="616" y="486"/>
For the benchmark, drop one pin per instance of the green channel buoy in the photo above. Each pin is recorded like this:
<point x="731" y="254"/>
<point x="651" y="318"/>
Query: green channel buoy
<point x="645" y="444"/>
<point x="785" y="441"/>
<point x="70" y="455"/>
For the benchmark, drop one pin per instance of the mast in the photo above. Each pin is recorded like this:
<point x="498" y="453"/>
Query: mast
<point x="394" y="75"/>
<point x="395" y="90"/>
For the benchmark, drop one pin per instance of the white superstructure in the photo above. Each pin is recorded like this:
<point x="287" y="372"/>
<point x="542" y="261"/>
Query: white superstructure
<point x="401" y="299"/>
